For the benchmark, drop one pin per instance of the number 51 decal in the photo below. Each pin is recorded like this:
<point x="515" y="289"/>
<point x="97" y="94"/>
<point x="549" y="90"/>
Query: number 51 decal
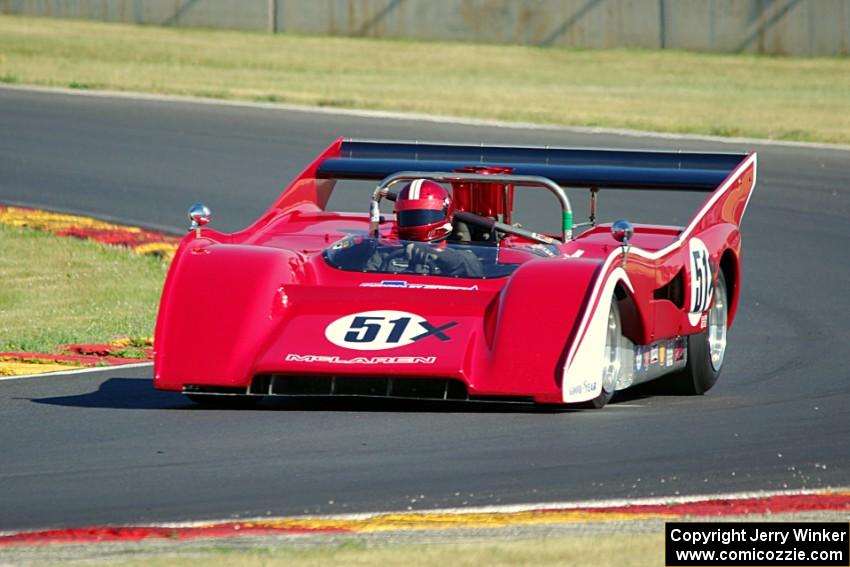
<point x="379" y="330"/>
<point x="700" y="279"/>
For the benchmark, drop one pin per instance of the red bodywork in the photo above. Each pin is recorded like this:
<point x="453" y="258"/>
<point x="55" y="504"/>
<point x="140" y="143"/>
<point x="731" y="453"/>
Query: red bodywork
<point x="259" y="302"/>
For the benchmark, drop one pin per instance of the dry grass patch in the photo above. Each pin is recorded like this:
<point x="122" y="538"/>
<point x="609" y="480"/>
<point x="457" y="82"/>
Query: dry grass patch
<point x="729" y="95"/>
<point x="597" y="550"/>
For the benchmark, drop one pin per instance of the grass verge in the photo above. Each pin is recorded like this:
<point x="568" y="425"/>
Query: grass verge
<point x="598" y="550"/>
<point x="728" y="95"/>
<point x="59" y="291"/>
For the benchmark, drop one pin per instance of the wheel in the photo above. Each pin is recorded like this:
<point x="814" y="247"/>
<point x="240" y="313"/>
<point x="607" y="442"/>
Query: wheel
<point x="613" y="357"/>
<point x="706" y="350"/>
<point x="230" y="402"/>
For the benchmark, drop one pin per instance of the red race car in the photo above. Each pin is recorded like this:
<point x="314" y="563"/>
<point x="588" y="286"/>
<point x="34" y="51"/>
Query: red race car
<point x="440" y="295"/>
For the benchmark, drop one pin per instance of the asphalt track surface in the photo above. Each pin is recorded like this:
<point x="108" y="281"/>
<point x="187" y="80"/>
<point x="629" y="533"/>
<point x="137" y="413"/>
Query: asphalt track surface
<point x="106" y="447"/>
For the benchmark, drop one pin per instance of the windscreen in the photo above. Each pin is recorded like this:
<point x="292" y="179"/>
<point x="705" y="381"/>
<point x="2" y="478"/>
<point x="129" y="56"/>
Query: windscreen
<point x="448" y="259"/>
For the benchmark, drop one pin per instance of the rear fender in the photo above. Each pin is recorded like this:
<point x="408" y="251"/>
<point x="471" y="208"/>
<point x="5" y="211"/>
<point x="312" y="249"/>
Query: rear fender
<point x="722" y="242"/>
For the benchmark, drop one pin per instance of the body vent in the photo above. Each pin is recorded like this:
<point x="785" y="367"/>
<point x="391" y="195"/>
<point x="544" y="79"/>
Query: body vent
<point x="364" y="386"/>
<point x="371" y="386"/>
<point x="674" y="290"/>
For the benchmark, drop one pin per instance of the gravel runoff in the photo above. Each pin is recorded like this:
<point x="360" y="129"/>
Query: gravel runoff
<point x="103" y="553"/>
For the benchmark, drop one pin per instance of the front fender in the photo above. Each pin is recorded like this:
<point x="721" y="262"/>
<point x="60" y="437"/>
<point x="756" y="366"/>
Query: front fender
<point x="536" y="321"/>
<point x="219" y="308"/>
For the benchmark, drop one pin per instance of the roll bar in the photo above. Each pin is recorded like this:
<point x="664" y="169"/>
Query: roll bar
<point x="382" y="190"/>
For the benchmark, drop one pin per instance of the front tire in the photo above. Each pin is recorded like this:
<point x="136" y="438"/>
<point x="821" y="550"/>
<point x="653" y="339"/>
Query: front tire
<point x="706" y="350"/>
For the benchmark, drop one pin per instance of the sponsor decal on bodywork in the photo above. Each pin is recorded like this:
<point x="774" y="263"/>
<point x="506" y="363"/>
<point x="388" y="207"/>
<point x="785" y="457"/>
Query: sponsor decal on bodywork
<point x="654" y="360"/>
<point x="361" y="359"/>
<point x="384" y="329"/>
<point x="543" y="249"/>
<point x="407" y="285"/>
<point x="679" y="353"/>
<point x="584" y="388"/>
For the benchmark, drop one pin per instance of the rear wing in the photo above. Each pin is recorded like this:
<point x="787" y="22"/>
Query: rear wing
<point x="568" y="167"/>
<point x="721" y="174"/>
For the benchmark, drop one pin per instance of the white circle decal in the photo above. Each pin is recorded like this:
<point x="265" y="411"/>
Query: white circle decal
<point x="376" y="330"/>
<point x="700" y="280"/>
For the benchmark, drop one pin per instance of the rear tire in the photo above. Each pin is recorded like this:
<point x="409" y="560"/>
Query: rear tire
<point x="224" y="402"/>
<point x="706" y="351"/>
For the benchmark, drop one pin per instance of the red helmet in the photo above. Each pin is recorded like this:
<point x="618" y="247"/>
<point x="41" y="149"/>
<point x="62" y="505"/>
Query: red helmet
<point x="424" y="211"/>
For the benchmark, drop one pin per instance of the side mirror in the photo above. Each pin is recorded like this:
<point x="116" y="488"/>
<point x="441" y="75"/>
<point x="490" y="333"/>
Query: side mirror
<point x="200" y="215"/>
<point x="622" y="231"/>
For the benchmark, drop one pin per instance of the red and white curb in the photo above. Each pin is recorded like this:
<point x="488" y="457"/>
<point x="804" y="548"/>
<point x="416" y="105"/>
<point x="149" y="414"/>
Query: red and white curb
<point x="125" y="351"/>
<point x="736" y="504"/>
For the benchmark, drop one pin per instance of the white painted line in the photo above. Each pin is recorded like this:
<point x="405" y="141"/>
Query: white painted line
<point x="419" y="117"/>
<point x="78" y="371"/>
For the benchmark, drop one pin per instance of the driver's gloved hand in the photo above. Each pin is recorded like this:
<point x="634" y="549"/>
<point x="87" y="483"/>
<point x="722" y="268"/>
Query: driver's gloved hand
<point x="420" y="257"/>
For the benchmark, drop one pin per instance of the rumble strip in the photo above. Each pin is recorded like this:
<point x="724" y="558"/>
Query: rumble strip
<point x="738" y="504"/>
<point x="140" y="241"/>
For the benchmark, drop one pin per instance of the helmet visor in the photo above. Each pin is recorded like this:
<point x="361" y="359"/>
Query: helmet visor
<point x="420" y="217"/>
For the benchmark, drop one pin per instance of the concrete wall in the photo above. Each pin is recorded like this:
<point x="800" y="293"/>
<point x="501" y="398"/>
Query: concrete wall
<point x="230" y="14"/>
<point x="785" y="27"/>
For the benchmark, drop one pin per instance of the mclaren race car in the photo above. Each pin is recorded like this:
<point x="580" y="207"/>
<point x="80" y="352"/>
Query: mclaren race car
<point x="309" y="302"/>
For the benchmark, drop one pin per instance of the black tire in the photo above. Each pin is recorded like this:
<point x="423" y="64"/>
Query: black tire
<point x="701" y="372"/>
<point x="601" y="400"/>
<point x="614" y="358"/>
<point x="224" y="402"/>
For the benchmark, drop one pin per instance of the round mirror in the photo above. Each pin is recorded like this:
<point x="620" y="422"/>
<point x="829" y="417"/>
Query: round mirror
<point x="622" y="230"/>
<point x="199" y="214"/>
